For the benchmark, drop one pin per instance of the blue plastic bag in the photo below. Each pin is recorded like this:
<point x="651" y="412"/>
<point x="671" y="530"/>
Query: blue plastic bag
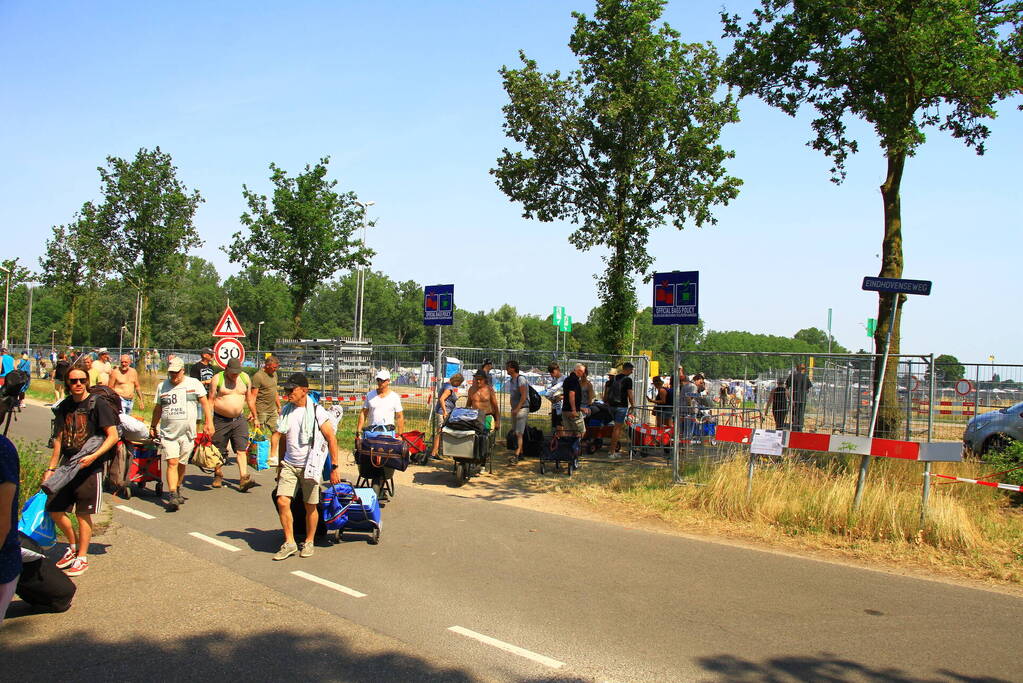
<point x="259" y="455"/>
<point x="35" y="521"/>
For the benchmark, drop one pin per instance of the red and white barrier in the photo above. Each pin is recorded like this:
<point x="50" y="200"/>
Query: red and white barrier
<point x="992" y="484"/>
<point x="359" y="398"/>
<point x="858" y="445"/>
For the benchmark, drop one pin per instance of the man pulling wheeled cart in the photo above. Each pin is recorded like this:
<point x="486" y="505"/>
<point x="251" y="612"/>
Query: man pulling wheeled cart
<point x="381" y="416"/>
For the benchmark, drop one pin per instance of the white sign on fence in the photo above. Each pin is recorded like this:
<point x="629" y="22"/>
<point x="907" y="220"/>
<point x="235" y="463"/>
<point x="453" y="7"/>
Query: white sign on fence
<point x="767" y="442"/>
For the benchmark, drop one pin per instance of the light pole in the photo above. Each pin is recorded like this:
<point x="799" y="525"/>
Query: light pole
<point x="259" y="336"/>
<point x="28" y="319"/>
<point x="7" y="298"/>
<point x="360" y="285"/>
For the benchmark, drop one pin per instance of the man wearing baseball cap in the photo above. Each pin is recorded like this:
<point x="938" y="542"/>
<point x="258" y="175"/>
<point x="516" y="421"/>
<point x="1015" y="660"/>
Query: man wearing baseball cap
<point x="175" y="413"/>
<point x="303" y="439"/>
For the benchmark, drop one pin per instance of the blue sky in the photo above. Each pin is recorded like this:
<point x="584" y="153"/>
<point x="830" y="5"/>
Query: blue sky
<point x="405" y="98"/>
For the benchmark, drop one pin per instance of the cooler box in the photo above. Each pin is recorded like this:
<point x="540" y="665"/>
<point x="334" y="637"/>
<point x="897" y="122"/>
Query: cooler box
<point x="460" y="445"/>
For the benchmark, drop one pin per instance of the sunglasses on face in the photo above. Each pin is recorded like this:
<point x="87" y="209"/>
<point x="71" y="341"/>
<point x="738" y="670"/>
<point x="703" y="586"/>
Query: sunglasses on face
<point x="78" y="380"/>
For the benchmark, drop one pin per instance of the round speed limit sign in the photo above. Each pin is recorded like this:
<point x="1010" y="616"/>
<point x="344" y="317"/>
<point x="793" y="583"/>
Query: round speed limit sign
<point x="226" y="349"/>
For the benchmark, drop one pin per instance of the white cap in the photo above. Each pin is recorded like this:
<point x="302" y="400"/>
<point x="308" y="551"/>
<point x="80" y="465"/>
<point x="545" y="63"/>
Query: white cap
<point x="384" y="374"/>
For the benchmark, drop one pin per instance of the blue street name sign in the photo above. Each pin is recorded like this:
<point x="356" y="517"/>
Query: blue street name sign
<point x="676" y="298"/>
<point x="897" y="286"/>
<point x="439" y="305"/>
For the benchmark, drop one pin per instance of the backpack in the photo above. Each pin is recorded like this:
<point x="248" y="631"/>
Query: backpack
<point x="15" y="382"/>
<point x="532" y="442"/>
<point x="242" y="377"/>
<point x="534" y="399"/>
<point x="101" y="392"/>
<point x="614" y="393"/>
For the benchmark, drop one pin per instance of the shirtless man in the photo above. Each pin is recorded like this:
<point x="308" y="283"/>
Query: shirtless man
<point x="482" y="398"/>
<point x="103" y="367"/>
<point x="125" y="381"/>
<point x="229" y="394"/>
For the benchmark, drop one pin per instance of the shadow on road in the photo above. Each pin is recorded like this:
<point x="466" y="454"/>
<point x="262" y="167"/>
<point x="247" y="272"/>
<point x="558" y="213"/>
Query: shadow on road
<point x="824" y="667"/>
<point x="259" y="540"/>
<point x="218" y="655"/>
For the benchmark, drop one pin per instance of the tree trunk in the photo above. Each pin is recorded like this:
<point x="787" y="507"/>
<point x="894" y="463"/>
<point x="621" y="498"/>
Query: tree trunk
<point x="72" y="310"/>
<point x="145" y="323"/>
<point x="298" y="304"/>
<point x="618" y="300"/>
<point x="889" y="415"/>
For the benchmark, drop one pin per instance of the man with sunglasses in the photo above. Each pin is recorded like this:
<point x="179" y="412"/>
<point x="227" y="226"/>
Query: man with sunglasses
<point x="77" y="419"/>
<point x="175" y="413"/>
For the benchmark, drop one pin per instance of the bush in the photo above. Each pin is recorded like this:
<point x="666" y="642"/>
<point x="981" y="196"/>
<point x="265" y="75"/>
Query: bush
<point x="1008" y="458"/>
<point x="31" y="456"/>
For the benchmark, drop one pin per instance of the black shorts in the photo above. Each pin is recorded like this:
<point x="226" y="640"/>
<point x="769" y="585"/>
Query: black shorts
<point x="84" y="493"/>
<point x="233" y="430"/>
<point x="555" y="420"/>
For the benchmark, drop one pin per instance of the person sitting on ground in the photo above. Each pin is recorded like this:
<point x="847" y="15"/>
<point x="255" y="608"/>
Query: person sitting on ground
<point x="518" y="399"/>
<point x="229" y="395"/>
<point x="78" y="419"/>
<point x="175" y="413"/>
<point x="302" y="441"/>
<point x="445" y="404"/>
<point x="125" y="381"/>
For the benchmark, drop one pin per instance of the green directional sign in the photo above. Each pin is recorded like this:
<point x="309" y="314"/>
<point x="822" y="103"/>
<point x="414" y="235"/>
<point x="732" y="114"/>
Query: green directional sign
<point x="558" y="319"/>
<point x="871" y="326"/>
<point x="566" y="324"/>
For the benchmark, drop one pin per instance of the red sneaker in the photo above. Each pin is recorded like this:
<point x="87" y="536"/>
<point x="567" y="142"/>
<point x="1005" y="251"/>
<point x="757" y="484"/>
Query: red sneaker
<point x="78" y="567"/>
<point x="68" y="559"/>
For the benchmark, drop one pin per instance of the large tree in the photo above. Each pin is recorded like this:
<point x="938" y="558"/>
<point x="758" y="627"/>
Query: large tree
<point x="306" y="235"/>
<point x="145" y="223"/>
<point x="71" y="264"/>
<point x="900" y="66"/>
<point x="622" y="145"/>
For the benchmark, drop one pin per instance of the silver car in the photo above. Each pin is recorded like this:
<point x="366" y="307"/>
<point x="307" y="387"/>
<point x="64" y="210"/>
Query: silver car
<point x="993" y="431"/>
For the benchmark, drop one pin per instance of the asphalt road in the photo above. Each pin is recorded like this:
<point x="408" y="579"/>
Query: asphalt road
<point x="469" y="581"/>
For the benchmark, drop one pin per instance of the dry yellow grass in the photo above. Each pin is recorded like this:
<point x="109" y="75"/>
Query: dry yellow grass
<point x="971" y="531"/>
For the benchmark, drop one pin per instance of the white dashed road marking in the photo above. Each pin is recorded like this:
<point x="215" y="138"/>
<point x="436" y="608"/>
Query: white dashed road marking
<point x="329" y="584"/>
<point x="134" y="512"/>
<point x="213" y="541"/>
<point x="508" y="647"/>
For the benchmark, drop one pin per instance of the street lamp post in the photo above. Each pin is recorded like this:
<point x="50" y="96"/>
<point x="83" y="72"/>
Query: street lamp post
<point x="7" y="298"/>
<point x="28" y="319"/>
<point x="259" y="336"/>
<point x="360" y="285"/>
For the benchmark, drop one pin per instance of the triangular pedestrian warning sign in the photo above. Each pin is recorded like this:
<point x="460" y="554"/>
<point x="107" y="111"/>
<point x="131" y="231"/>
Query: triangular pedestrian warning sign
<point x="228" y="325"/>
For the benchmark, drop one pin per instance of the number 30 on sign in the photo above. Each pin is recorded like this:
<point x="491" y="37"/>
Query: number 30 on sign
<point x="226" y="349"/>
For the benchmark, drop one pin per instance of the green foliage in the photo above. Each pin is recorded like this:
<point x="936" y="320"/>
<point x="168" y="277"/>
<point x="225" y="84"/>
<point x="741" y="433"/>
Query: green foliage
<point x="818" y="340"/>
<point x="145" y="222"/>
<point x="1009" y="458"/>
<point x="947" y="368"/>
<point x="621" y="145"/>
<point x="306" y="236"/>
<point x="902" y="67"/>
<point x="32" y="463"/>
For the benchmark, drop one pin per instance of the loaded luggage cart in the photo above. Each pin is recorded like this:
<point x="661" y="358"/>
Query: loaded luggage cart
<point x="377" y="457"/>
<point x="562" y="449"/>
<point x="346" y="508"/>
<point x="599" y="426"/>
<point x="144" y="467"/>
<point x="470" y="450"/>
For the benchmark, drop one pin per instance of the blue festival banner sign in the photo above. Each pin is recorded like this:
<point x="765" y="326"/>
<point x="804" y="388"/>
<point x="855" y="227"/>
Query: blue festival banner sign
<point x="439" y="305"/>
